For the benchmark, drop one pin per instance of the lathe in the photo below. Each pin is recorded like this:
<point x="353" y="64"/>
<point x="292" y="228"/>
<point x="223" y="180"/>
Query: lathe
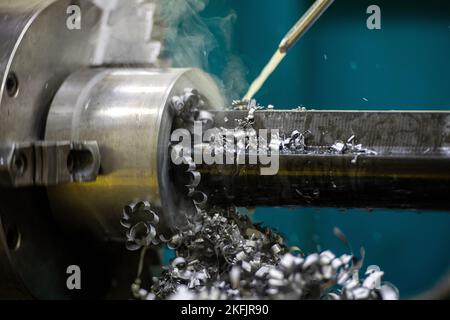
<point x="86" y="120"/>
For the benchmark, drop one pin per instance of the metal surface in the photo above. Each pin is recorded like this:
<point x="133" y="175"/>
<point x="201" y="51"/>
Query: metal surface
<point x="41" y="52"/>
<point x="37" y="52"/>
<point x="127" y="112"/>
<point x="16" y="165"/>
<point x="119" y="17"/>
<point x="63" y="162"/>
<point x="46" y="163"/>
<point x="411" y="167"/>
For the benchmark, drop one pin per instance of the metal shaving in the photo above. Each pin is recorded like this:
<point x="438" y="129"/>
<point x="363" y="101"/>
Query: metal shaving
<point x="349" y="147"/>
<point x="140" y="221"/>
<point x="221" y="254"/>
<point x="295" y="142"/>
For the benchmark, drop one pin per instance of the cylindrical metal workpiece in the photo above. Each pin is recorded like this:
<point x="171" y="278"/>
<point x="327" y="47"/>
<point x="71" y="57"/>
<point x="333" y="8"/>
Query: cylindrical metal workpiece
<point x="128" y="113"/>
<point x="406" y="163"/>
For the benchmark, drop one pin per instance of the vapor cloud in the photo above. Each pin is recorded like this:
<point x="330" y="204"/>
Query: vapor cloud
<point x="192" y="40"/>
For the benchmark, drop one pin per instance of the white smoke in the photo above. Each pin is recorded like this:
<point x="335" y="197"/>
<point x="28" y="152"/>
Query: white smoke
<point x="192" y="40"/>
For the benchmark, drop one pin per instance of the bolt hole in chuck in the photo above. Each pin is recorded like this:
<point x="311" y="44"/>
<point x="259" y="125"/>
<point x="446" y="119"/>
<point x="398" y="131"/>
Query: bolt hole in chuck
<point x="13" y="237"/>
<point x="19" y="164"/>
<point x="12" y="85"/>
<point x="79" y="161"/>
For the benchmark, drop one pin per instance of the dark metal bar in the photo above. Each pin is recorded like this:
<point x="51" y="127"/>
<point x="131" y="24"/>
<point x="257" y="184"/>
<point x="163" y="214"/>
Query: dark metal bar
<point x="411" y="168"/>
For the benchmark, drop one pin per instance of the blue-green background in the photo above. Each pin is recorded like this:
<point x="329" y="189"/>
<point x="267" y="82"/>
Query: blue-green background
<point x="340" y="64"/>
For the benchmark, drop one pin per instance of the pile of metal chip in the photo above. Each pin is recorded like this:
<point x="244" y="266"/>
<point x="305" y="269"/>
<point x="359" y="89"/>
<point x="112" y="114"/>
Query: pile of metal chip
<point x="350" y="147"/>
<point x="295" y="142"/>
<point x="223" y="255"/>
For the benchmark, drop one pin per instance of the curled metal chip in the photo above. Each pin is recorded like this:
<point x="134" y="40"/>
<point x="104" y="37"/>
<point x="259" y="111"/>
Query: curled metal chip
<point x="139" y="220"/>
